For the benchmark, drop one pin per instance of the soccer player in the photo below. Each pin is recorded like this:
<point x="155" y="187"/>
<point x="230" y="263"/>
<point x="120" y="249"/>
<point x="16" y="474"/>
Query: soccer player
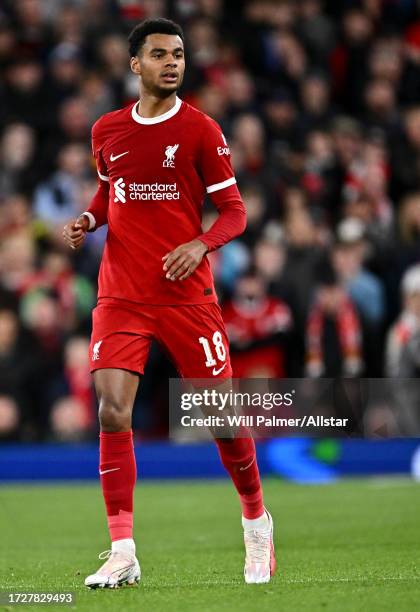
<point x="156" y="160"/>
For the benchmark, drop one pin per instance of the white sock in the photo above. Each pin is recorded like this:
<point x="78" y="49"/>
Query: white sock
<point x="261" y="522"/>
<point x="126" y="546"/>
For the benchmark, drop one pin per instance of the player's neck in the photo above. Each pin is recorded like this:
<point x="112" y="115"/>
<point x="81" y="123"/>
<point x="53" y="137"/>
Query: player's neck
<point x="150" y="106"/>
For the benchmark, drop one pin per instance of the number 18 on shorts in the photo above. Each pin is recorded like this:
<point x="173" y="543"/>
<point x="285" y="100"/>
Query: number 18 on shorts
<point x="193" y="337"/>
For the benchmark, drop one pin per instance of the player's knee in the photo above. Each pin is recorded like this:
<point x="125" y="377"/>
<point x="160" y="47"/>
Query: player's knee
<point x="114" y="415"/>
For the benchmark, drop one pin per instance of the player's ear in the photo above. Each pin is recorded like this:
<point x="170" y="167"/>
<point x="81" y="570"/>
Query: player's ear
<point x="135" y="65"/>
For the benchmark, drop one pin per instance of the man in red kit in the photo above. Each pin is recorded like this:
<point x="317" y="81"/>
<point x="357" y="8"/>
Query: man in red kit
<point x="156" y="160"/>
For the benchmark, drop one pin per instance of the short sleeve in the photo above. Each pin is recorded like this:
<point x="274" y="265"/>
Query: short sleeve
<point x="214" y="162"/>
<point x="96" y="150"/>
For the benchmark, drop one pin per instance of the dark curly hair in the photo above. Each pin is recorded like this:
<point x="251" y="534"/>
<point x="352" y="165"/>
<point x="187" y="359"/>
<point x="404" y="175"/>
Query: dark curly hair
<point x="152" y="26"/>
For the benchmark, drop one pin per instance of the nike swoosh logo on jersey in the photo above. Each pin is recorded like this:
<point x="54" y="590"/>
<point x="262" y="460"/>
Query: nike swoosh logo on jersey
<point x="241" y="469"/>
<point x="114" y="157"/>
<point x="216" y="372"/>
<point x="106" y="471"/>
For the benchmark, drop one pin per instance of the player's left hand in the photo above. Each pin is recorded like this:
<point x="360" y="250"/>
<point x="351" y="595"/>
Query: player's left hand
<point x="182" y="261"/>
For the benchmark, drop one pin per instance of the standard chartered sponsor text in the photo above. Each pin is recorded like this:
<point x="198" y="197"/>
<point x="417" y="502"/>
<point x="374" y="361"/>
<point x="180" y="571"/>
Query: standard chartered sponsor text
<point x="153" y="191"/>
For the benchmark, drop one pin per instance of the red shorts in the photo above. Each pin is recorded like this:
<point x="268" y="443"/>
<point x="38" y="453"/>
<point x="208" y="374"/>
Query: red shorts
<point x="194" y="337"/>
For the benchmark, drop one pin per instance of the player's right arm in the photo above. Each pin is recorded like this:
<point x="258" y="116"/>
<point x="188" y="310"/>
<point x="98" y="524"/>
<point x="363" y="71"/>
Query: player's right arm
<point x="96" y="215"/>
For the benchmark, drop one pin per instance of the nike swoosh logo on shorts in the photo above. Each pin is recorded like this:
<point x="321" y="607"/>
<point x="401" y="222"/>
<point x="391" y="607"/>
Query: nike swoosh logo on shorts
<point x="241" y="469"/>
<point x="216" y="372"/>
<point x="106" y="471"/>
<point x="114" y="157"/>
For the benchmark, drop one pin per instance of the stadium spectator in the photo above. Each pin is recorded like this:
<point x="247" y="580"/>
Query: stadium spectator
<point x="270" y="257"/>
<point x="405" y="154"/>
<point x="67" y="420"/>
<point x="258" y="327"/>
<point x="9" y="418"/>
<point x="401" y="356"/>
<point x="59" y="197"/>
<point x="334" y="333"/>
<point x="16" y="215"/>
<point x="303" y="255"/>
<point x="315" y="101"/>
<point x="248" y="142"/>
<point x="23" y="96"/>
<point x="17" y="155"/>
<point x="73" y="388"/>
<point x="363" y="287"/>
<point x="381" y="107"/>
<point x="408" y="231"/>
<point x="19" y="371"/>
<point x="17" y="261"/>
<point x="366" y="290"/>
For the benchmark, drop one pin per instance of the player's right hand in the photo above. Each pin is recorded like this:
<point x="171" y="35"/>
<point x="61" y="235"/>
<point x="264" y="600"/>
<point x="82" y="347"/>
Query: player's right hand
<point x="74" y="233"/>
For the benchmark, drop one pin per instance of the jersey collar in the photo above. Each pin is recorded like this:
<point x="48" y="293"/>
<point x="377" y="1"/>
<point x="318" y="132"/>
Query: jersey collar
<point x="152" y="120"/>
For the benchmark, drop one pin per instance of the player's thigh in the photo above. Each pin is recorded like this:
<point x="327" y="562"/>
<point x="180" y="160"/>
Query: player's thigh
<point x="116" y="388"/>
<point x="196" y="340"/>
<point x="120" y="339"/>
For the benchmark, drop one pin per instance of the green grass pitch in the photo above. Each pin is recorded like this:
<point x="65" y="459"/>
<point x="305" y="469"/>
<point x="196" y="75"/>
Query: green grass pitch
<point x="353" y="545"/>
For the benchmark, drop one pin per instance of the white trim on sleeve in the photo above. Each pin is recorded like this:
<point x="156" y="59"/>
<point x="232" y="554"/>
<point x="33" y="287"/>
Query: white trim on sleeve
<point x="103" y="177"/>
<point x="92" y="220"/>
<point x="223" y="185"/>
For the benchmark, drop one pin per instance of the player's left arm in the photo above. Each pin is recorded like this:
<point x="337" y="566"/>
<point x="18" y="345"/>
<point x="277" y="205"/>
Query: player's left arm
<point x="218" y="176"/>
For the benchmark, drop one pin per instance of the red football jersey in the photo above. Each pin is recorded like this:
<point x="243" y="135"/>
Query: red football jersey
<point x="154" y="174"/>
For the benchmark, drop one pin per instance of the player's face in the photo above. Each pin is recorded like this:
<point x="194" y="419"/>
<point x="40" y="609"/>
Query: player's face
<point x="161" y="64"/>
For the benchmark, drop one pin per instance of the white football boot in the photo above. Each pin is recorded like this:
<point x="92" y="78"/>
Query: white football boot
<point x="260" y="562"/>
<point x="120" y="569"/>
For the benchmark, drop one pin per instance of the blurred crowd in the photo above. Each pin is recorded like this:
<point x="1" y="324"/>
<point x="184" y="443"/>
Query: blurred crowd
<point x="320" y="103"/>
